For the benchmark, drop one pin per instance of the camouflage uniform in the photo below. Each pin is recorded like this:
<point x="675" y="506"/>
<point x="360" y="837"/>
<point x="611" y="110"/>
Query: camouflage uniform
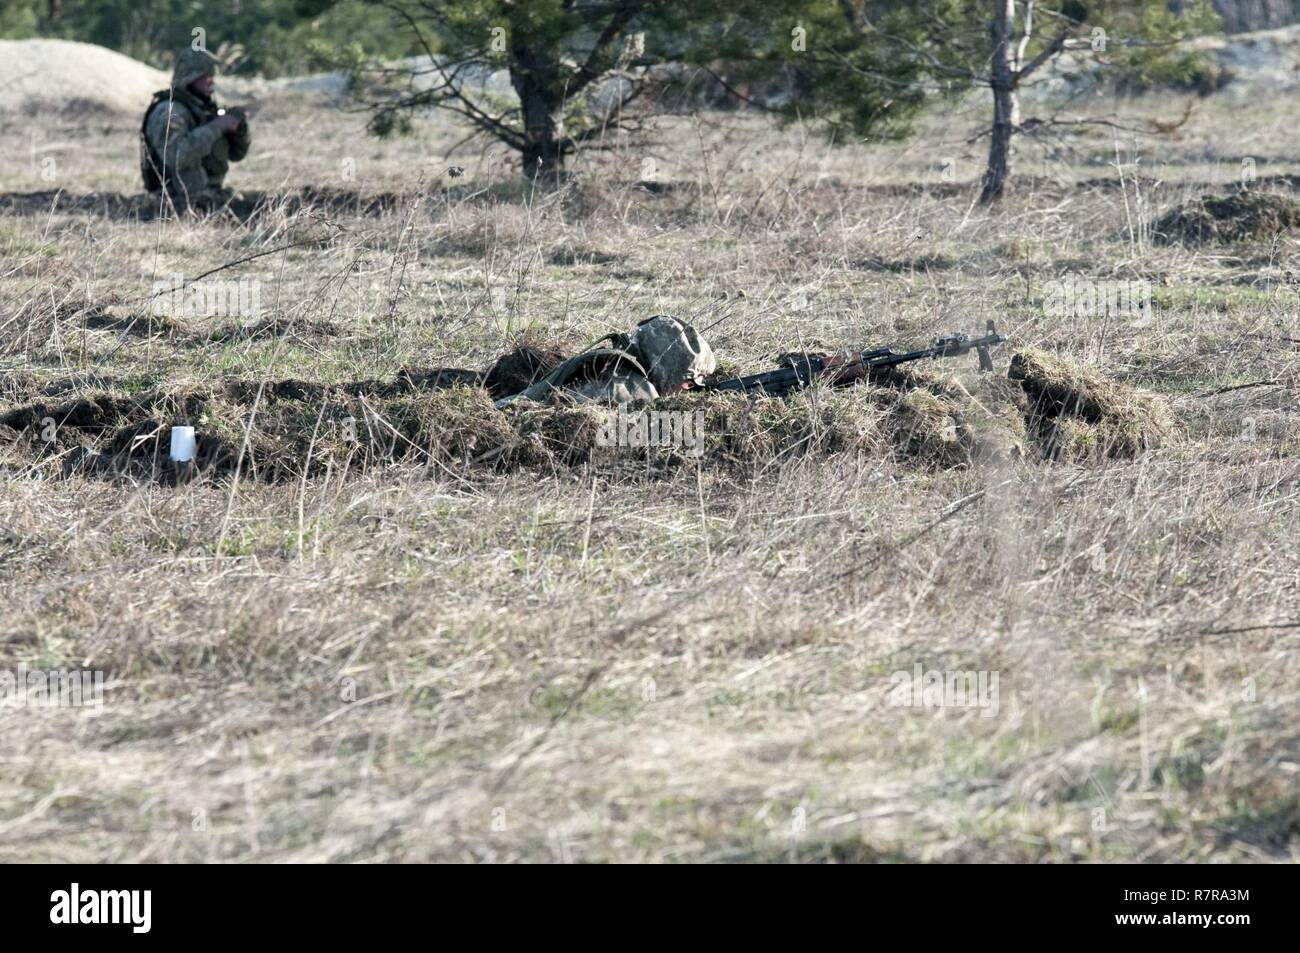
<point x="182" y="148"/>
<point x="661" y="356"/>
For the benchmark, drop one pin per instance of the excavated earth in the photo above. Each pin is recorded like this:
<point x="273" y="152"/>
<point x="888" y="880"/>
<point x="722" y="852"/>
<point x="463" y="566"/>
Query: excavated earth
<point x="1045" y="408"/>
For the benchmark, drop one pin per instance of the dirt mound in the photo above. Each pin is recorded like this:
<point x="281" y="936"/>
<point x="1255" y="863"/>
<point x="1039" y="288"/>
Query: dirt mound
<point x="57" y="74"/>
<point x="295" y="329"/>
<point x="39" y="319"/>
<point x="1241" y="215"/>
<point x="247" y="206"/>
<point x="754" y="432"/>
<point x="1077" y="415"/>
<point x="110" y="205"/>
<point x="556" y="435"/>
<point x="522" y="366"/>
<point x="444" y="418"/>
<point x="138" y="324"/>
<point x="1047" y="407"/>
<point x="270" y="431"/>
<point x="284" y="436"/>
<point x="329" y="201"/>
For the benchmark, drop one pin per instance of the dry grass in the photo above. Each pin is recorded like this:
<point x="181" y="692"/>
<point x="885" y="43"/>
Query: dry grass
<point x="560" y="651"/>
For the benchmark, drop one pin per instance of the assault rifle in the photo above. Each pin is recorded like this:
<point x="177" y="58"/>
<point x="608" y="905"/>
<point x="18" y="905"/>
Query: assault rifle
<point x="840" y="369"/>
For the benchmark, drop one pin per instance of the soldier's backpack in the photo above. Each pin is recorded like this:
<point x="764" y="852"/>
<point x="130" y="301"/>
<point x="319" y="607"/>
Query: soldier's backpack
<point x="590" y="365"/>
<point x="150" y="162"/>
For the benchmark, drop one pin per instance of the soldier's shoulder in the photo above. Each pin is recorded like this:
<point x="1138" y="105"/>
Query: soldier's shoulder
<point x="162" y="108"/>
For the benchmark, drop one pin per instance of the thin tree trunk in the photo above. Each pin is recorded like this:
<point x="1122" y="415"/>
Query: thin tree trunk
<point x="536" y="82"/>
<point x="1006" y="102"/>
<point x="542" y="154"/>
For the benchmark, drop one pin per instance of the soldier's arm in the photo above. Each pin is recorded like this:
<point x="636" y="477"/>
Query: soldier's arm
<point x="180" y="145"/>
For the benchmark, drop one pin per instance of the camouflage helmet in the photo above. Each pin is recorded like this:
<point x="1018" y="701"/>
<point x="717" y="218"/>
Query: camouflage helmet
<point x="672" y="353"/>
<point x="190" y="65"/>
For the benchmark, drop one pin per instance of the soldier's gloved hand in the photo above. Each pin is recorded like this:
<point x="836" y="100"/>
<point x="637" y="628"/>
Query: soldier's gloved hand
<point x="228" y="123"/>
<point x="240" y="139"/>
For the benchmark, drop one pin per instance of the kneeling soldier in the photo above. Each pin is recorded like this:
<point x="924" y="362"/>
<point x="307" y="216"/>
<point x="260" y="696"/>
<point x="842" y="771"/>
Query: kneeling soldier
<point x="188" y="140"/>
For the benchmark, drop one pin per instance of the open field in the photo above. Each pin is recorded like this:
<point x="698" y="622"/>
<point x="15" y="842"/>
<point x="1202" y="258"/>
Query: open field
<point x="632" y="659"/>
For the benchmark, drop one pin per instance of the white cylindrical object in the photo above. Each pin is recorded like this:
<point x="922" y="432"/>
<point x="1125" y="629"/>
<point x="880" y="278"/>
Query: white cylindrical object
<point x="182" y="444"/>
